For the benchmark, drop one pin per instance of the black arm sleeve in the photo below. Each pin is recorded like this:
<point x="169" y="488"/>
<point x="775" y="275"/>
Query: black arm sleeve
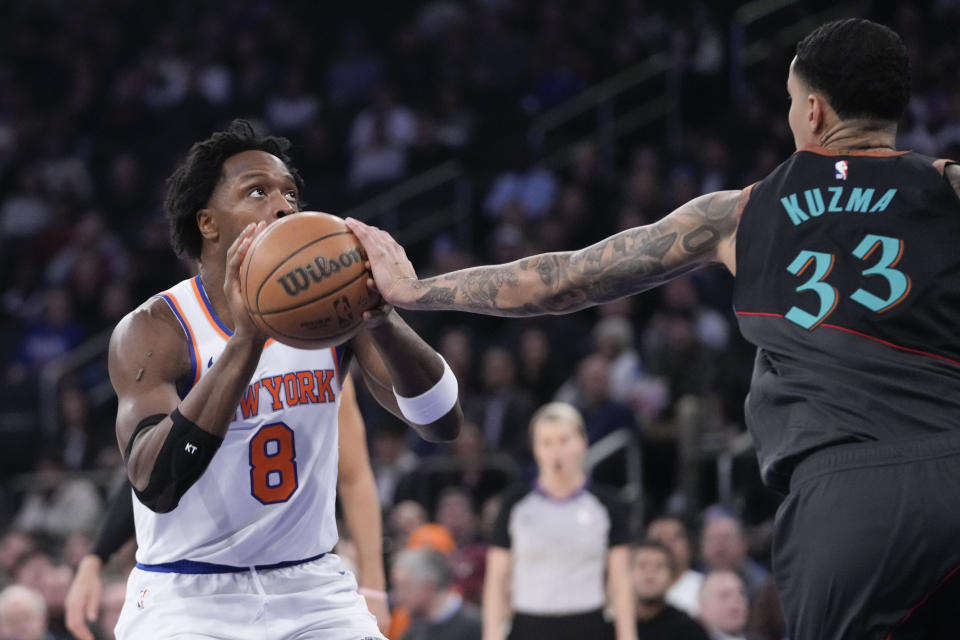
<point x="117" y="526"/>
<point x="182" y="459"/>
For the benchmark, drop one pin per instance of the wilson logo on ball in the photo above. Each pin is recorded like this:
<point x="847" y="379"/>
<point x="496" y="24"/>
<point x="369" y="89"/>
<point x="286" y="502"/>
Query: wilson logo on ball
<point x="298" y="280"/>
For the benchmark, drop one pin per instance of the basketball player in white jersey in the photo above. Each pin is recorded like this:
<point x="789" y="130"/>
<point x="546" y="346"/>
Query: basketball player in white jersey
<point x="357" y="495"/>
<point x="230" y="439"/>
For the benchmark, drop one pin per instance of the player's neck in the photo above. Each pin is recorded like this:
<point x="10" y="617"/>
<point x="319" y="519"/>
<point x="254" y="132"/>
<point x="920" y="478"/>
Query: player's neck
<point x="212" y="273"/>
<point x="859" y="135"/>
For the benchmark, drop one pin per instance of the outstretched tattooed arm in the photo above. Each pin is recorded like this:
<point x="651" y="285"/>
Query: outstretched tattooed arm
<point x="699" y="232"/>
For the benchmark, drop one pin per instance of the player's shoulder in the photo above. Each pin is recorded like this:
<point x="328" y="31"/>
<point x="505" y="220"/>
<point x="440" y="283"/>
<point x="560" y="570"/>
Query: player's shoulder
<point x="153" y="316"/>
<point x="150" y="328"/>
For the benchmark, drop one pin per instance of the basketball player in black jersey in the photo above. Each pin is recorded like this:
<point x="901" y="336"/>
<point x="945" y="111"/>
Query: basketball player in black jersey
<point x="847" y="265"/>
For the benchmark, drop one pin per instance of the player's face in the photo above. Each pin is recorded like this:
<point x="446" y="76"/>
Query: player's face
<point x="799" y="114"/>
<point x="255" y="186"/>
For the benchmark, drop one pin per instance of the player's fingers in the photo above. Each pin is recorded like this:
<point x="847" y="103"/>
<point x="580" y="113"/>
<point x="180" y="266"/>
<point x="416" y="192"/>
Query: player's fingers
<point x="236" y="248"/>
<point x="359" y="229"/>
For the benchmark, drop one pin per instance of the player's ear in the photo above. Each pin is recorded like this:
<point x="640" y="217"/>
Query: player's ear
<point x="207" y="223"/>
<point x="817" y="113"/>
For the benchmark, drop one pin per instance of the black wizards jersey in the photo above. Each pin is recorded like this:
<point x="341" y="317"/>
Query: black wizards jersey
<point x="848" y="282"/>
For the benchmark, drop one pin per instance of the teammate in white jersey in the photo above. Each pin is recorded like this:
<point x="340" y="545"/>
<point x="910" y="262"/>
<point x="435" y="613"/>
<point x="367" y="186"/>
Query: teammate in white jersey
<point x="358" y="499"/>
<point x="230" y="440"/>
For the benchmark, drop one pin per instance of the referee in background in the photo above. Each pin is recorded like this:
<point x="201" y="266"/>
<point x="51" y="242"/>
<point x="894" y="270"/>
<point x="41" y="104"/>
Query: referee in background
<point x="558" y="548"/>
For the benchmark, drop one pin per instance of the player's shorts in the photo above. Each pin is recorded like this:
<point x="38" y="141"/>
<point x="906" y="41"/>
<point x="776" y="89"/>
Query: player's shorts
<point x="317" y="599"/>
<point x="867" y="543"/>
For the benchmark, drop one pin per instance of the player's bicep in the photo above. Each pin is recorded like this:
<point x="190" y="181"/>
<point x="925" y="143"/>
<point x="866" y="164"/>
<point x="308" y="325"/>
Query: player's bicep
<point x="145" y="360"/>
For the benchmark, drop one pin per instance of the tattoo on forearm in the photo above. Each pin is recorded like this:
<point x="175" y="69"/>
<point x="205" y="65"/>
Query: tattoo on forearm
<point x="627" y="263"/>
<point x="442" y="295"/>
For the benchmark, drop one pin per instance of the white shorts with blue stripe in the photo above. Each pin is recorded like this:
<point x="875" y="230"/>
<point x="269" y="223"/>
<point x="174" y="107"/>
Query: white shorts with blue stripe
<point x="315" y="600"/>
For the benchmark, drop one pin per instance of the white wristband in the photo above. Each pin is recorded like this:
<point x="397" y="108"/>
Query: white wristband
<point x="434" y="403"/>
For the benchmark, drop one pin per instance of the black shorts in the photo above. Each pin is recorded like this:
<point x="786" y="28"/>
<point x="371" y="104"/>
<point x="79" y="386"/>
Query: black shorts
<point x="867" y="543"/>
<point x="579" y="626"/>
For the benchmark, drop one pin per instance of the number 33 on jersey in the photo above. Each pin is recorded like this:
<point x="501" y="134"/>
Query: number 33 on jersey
<point x="816" y="267"/>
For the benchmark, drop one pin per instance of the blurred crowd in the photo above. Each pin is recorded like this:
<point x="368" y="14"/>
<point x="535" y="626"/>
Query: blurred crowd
<point x="99" y="99"/>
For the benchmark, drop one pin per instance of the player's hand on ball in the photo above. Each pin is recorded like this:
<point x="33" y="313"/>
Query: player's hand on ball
<point x="393" y="274"/>
<point x="243" y="324"/>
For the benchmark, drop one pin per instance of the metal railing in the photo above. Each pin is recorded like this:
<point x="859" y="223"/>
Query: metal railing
<point x="631" y="493"/>
<point x="600" y="96"/>
<point x="53" y="373"/>
<point x="384" y="208"/>
<point x="744" y="53"/>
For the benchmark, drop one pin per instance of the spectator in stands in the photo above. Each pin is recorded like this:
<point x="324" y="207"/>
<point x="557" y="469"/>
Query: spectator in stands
<point x="553" y="545"/>
<point x="589" y="391"/>
<point x="539" y="370"/>
<point x="423" y="585"/>
<point x="525" y="185"/>
<point x="26" y="210"/>
<point x="468" y="559"/>
<point x="291" y="108"/>
<point x="480" y="473"/>
<point x="506" y="407"/>
<point x="613" y="339"/>
<point x="23" y="614"/>
<point x="355" y="72"/>
<point x="391" y="460"/>
<point x="89" y="235"/>
<point x="59" y="505"/>
<point x="653" y="571"/>
<point x="684" y="591"/>
<point x="403" y="519"/>
<point x="723" y="605"/>
<point x="53" y="335"/>
<point x="723" y="547"/>
<point x="79" y="443"/>
<point x="15" y="545"/>
<point x="710" y="327"/>
<point x="380" y="138"/>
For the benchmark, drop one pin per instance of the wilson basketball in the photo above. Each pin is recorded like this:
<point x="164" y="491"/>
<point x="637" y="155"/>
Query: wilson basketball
<point x="304" y="281"/>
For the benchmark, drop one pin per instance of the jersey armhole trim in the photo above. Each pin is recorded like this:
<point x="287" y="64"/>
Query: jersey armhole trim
<point x="194" y="351"/>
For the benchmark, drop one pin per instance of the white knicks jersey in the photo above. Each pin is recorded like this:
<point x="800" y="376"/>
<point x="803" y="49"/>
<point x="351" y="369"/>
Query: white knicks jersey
<point x="268" y="495"/>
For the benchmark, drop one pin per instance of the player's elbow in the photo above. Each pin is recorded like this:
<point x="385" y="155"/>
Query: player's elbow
<point x="444" y="429"/>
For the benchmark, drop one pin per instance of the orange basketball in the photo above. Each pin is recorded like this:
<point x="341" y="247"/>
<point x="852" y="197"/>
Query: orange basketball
<point x="304" y="281"/>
